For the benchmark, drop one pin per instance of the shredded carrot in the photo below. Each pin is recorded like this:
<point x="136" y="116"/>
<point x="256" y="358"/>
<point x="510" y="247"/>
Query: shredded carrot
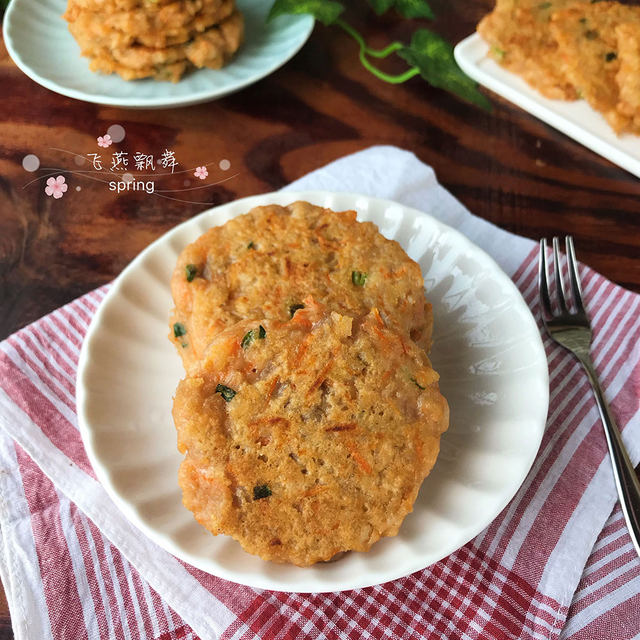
<point x="378" y="317"/>
<point x="360" y="461"/>
<point x="380" y="335"/>
<point x="274" y="420"/>
<point x="348" y="426"/>
<point x="302" y="349"/>
<point x="301" y="317"/>
<point x="395" y="274"/>
<point x="320" y="379"/>
<point x="235" y="346"/>
<point x="314" y="491"/>
<point x="272" y="388"/>
<point x="326" y="244"/>
<point x="248" y="366"/>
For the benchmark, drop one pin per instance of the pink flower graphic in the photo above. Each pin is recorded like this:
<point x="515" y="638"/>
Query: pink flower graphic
<point x="105" y="140"/>
<point x="56" y="187"/>
<point x="201" y="172"/>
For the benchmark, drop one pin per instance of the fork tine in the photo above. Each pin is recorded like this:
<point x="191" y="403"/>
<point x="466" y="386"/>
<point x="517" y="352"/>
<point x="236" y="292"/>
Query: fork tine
<point x="576" y="287"/>
<point x="543" y="287"/>
<point x="562" y="296"/>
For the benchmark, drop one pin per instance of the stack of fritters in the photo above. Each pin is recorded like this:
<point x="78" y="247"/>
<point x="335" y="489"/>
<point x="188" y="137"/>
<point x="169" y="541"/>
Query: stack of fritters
<point x="310" y="413"/>
<point x="160" y="39"/>
<point x="569" y="49"/>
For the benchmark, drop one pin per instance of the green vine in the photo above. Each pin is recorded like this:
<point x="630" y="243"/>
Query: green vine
<point x="428" y="54"/>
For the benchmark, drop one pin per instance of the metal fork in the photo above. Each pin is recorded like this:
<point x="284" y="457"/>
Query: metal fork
<point x="571" y="329"/>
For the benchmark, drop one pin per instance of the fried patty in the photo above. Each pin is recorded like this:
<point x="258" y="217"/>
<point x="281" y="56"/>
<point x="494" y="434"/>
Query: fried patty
<point x="265" y="263"/>
<point x="628" y="77"/>
<point x="160" y="41"/>
<point x="160" y="27"/>
<point x="520" y="39"/>
<point x="309" y="437"/>
<point x="588" y="47"/>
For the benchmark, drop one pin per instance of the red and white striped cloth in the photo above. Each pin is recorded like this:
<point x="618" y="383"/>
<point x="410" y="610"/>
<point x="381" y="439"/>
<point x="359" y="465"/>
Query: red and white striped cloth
<point x="556" y="563"/>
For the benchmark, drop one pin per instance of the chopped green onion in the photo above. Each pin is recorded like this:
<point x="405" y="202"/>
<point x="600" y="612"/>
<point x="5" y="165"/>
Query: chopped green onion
<point x="248" y="339"/>
<point x="358" y="278"/>
<point x="418" y="384"/>
<point x="498" y="52"/>
<point x="226" y="392"/>
<point x="250" y="336"/>
<point x="179" y="330"/>
<point x="293" y="308"/>
<point x="261" y="491"/>
<point x="611" y="56"/>
<point x="191" y="271"/>
<point x="251" y="245"/>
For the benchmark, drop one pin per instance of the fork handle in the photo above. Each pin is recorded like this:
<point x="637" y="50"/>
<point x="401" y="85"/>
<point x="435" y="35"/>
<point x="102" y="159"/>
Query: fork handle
<point x="624" y="474"/>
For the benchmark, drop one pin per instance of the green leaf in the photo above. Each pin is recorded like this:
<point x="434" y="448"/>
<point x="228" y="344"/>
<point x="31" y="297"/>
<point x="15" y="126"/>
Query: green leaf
<point x="406" y="8"/>
<point x="414" y="9"/>
<point x="179" y="330"/>
<point x="326" y="11"/>
<point x="432" y="55"/>
<point x="381" y="6"/>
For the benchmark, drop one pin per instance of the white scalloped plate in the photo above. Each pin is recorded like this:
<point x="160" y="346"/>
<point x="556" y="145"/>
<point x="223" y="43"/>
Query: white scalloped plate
<point x="40" y="44"/>
<point x="575" y="119"/>
<point x="487" y="349"/>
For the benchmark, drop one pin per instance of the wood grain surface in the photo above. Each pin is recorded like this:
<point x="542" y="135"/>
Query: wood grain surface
<point x="505" y="166"/>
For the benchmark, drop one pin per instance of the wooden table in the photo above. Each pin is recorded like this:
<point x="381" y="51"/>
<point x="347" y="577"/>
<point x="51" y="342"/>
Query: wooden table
<point x="505" y="166"/>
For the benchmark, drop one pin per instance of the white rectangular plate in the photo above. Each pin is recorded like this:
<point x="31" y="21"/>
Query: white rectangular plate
<point x="575" y="119"/>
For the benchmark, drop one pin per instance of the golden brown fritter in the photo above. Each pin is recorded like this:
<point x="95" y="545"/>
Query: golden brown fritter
<point x="212" y="49"/>
<point x="159" y="40"/>
<point x="588" y="47"/>
<point x="164" y="26"/>
<point x="628" y="77"/>
<point x="520" y="40"/>
<point x="264" y="263"/>
<point x="309" y="437"/>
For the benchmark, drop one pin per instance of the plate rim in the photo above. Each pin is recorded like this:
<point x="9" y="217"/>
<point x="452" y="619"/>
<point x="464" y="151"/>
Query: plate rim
<point x="261" y="581"/>
<point x="162" y="102"/>
<point x="466" y="55"/>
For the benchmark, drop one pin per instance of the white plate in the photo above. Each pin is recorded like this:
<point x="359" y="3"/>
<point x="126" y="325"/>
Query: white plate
<point x="487" y="349"/>
<point x="38" y="40"/>
<point x="575" y="119"/>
